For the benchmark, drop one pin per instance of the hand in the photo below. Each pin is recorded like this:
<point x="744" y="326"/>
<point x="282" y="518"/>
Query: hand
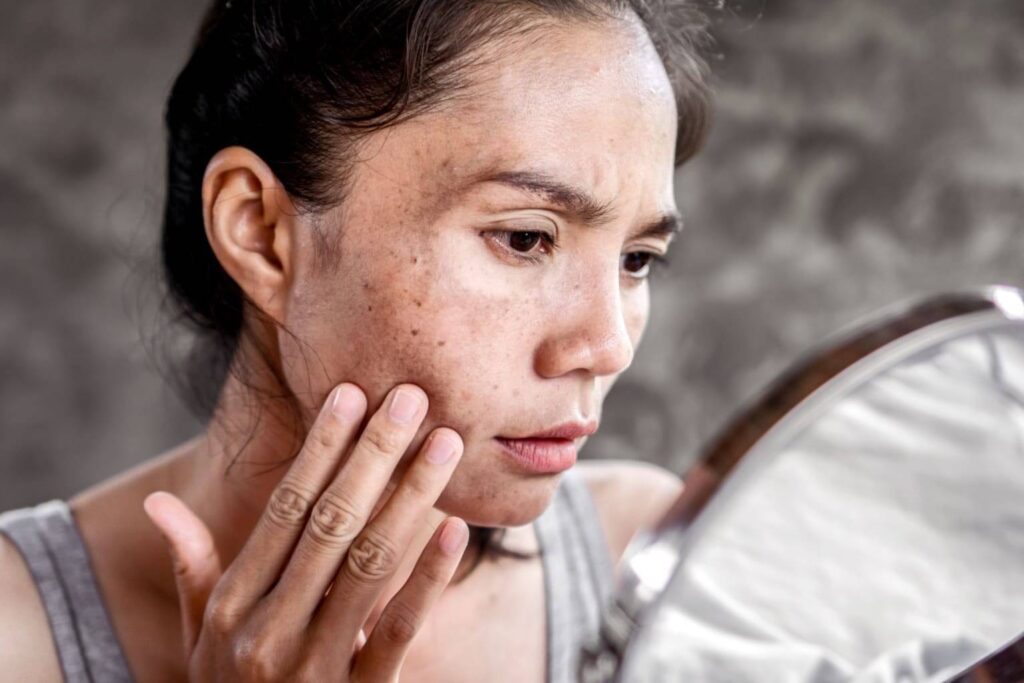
<point x="267" y="618"/>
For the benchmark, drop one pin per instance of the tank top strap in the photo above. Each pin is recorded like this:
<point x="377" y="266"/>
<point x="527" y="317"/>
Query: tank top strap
<point x="50" y="543"/>
<point x="577" y="574"/>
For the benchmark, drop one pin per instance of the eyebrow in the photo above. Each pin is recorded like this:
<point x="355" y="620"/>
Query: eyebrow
<point x="579" y="202"/>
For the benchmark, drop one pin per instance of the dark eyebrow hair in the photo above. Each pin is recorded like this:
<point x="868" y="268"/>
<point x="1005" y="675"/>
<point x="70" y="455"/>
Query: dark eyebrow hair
<point x="668" y="226"/>
<point x="578" y="202"/>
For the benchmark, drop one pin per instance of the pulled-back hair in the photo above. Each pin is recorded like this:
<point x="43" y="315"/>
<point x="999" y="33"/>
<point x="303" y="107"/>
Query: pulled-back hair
<point x="299" y="81"/>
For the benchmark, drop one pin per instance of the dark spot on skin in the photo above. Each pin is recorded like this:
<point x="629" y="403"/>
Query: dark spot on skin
<point x="366" y="284"/>
<point x="495" y="387"/>
<point x="415" y="260"/>
<point x="369" y="308"/>
<point x="418" y="303"/>
<point x="415" y="332"/>
<point x="440" y="343"/>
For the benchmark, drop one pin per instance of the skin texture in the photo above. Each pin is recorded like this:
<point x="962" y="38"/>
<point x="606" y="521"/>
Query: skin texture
<point x="419" y="286"/>
<point x="417" y="294"/>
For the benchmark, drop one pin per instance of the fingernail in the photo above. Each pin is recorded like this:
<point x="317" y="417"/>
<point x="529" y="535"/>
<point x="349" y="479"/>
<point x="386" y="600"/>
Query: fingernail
<point x="453" y="538"/>
<point x="404" y="405"/>
<point x="440" y="450"/>
<point x="347" y="404"/>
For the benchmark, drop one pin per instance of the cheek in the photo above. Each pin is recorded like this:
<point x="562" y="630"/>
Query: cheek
<point x="637" y="311"/>
<point x="431" y="317"/>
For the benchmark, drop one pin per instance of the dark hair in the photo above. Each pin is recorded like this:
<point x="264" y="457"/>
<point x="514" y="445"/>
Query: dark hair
<point x="297" y="82"/>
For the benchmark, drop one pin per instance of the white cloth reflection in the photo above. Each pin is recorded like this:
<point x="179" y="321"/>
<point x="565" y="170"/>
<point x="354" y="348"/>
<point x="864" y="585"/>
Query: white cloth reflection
<point x="885" y="544"/>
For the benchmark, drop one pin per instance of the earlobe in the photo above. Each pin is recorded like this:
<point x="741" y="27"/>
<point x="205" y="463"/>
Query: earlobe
<point x="248" y="218"/>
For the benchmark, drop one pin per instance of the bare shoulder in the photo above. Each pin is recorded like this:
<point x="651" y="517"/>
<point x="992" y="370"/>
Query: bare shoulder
<point x="27" y="652"/>
<point x="630" y="495"/>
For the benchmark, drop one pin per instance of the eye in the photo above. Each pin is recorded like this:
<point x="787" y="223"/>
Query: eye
<point x="523" y="241"/>
<point x="639" y="263"/>
<point x="524" y="245"/>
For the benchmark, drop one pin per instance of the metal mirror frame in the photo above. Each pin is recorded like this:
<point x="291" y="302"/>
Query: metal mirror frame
<point x="653" y="556"/>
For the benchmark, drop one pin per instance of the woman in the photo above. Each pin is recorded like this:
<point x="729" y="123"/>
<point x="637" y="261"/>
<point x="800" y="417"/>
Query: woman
<point x="415" y="237"/>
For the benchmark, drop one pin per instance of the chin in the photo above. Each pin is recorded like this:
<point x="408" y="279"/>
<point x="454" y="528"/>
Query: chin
<point x="496" y="498"/>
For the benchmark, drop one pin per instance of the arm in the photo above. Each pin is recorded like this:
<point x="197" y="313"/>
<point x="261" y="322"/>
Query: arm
<point x="27" y="652"/>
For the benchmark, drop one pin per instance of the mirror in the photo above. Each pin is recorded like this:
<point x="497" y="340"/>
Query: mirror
<point x="863" y="520"/>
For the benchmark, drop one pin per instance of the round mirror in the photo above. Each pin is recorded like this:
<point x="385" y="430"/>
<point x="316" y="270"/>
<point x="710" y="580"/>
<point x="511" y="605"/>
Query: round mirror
<point x="862" y="521"/>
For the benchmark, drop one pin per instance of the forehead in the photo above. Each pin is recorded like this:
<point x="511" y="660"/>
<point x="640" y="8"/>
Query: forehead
<point x="588" y="103"/>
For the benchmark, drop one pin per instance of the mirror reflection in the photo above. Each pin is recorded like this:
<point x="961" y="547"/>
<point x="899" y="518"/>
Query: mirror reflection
<point x="876" y="533"/>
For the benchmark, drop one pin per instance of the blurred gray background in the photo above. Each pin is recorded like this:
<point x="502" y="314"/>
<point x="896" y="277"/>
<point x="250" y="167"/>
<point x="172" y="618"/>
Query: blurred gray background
<point x="863" y="152"/>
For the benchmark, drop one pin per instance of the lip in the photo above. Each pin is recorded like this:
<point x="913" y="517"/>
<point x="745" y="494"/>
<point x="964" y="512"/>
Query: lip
<point x="566" y="430"/>
<point x="550" y="451"/>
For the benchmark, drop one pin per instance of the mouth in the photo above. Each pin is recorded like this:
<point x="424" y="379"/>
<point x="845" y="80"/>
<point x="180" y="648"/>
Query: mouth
<point x="549" y="451"/>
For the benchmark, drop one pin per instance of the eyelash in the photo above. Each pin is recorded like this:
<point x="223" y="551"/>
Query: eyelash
<point x="656" y="263"/>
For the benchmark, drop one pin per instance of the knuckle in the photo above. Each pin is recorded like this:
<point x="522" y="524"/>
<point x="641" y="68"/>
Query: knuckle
<point x="180" y="567"/>
<point x="288" y="506"/>
<point x="256" y="658"/>
<point x="399" y="624"/>
<point x="324" y="437"/>
<point x="220" y="617"/>
<point x="419" y="484"/>
<point x="380" y="442"/>
<point x="434" y="573"/>
<point x="371" y="558"/>
<point x="310" y="670"/>
<point x="334" y="520"/>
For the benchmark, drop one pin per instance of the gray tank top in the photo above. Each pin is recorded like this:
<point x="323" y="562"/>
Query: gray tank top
<point x="577" y="582"/>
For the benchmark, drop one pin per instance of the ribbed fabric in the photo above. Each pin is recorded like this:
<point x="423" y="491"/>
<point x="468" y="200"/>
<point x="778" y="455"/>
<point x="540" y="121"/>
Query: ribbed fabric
<point x="577" y="575"/>
<point x="52" y="546"/>
<point x="577" y="583"/>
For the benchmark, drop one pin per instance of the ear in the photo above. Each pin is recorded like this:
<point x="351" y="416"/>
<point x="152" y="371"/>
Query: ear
<point x="249" y="220"/>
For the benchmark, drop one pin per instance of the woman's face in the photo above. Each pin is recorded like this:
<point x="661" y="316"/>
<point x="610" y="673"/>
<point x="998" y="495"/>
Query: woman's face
<point x="444" y="275"/>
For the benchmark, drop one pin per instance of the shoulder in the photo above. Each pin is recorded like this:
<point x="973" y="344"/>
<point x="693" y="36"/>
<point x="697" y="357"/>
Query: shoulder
<point x="27" y="652"/>
<point x="630" y="495"/>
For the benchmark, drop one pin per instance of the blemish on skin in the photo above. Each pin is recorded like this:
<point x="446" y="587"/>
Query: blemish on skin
<point x="415" y="260"/>
<point x="419" y="304"/>
<point x="414" y="332"/>
<point x="440" y="343"/>
<point x="369" y="308"/>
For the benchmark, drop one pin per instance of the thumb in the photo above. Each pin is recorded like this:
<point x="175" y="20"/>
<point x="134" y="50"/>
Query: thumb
<point x="196" y="563"/>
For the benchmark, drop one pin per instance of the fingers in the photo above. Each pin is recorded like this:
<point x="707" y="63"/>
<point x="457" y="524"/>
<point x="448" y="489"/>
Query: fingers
<point x="266" y="551"/>
<point x="381" y="658"/>
<point x="374" y="555"/>
<point x="196" y="562"/>
<point x="341" y="513"/>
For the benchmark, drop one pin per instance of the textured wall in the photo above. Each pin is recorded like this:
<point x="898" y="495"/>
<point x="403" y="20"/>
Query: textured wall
<point x="863" y="152"/>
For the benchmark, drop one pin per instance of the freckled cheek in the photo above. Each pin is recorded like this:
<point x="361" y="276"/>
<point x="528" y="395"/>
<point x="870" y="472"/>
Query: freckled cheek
<point x="459" y="345"/>
<point x="448" y="323"/>
<point x="467" y="360"/>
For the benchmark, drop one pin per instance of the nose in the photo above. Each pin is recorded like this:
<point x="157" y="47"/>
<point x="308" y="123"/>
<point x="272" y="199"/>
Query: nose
<point x="589" y="333"/>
